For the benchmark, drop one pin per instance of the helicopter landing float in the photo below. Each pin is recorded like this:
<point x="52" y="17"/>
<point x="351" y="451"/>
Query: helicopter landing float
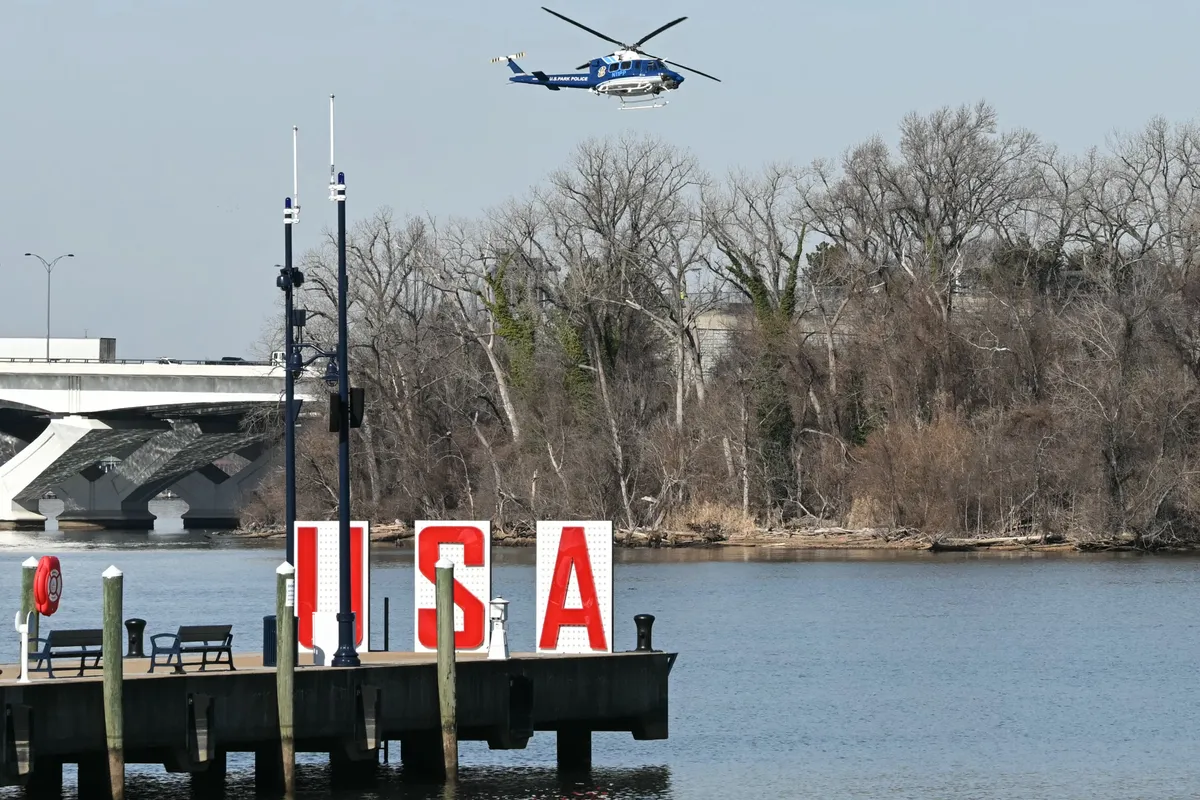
<point x="633" y="76"/>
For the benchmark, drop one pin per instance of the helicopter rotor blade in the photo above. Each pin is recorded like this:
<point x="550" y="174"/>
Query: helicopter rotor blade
<point x="654" y="33"/>
<point x="586" y="28"/>
<point x="689" y="69"/>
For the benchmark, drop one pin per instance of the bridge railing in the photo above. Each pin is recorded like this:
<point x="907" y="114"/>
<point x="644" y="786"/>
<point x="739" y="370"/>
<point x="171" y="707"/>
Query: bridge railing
<point x="164" y="361"/>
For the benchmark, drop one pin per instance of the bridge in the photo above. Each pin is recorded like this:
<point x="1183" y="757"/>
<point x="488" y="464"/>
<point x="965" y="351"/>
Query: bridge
<point x="108" y="436"/>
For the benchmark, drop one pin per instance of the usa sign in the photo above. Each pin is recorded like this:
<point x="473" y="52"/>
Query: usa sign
<point x="468" y="545"/>
<point x="574" y="587"/>
<point x="318" y="599"/>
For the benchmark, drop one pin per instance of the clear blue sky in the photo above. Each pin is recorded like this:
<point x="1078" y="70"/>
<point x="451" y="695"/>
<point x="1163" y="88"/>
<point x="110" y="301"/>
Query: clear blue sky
<point x="153" y="138"/>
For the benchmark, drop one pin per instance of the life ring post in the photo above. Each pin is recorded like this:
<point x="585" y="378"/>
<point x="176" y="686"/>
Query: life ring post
<point x="23" y="630"/>
<point x="114" y="675"/>
<point x="28" y="570"/>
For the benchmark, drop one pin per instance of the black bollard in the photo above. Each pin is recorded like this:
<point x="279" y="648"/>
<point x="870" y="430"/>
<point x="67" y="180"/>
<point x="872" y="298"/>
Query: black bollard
<point x="271" y="641"/>
<point x="644" y="623"/>
<point x="270" y="644"/>
<point x="137" y="629"/>
<point x="387" y="624"/>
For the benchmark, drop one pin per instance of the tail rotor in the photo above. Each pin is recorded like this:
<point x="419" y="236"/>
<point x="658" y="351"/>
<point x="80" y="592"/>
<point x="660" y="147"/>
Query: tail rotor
<point x="511" y="61"/>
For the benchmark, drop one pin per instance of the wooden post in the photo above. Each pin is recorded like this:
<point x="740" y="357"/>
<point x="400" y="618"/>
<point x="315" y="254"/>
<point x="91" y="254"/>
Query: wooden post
<point x="28" y="570"/>
<point x="113" y="581"/>
<point x="285" y="668"/>
<point x="445" y="666"/>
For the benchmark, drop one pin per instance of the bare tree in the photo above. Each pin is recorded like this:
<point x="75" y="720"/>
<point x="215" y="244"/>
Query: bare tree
<point x="971" y="333"/>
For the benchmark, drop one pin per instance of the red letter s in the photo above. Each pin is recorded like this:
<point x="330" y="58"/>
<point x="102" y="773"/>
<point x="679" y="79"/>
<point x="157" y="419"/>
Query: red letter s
<point x="474" y="618"/>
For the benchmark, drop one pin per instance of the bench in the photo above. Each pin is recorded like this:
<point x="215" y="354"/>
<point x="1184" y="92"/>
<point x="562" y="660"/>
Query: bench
<point x="203" y="639"/>
<point x="82" y="644"/>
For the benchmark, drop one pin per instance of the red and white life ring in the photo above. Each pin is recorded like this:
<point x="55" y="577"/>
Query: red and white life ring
<point x="47" y="585"/>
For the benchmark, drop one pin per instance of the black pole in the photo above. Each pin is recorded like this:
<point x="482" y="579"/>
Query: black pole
<point x="289" y="384"/>
<point x="386" y="625"/>
<point x="345" y="655"/>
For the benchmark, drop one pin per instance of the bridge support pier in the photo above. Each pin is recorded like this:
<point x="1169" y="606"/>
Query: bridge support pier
<point x="214" y="497"/>
<point x="67" y="446"/>
<point x="121" y="497"/>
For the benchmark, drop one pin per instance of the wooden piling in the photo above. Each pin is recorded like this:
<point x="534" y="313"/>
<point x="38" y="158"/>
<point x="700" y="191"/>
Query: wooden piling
<point x="28" y="571"/>
<point x="447" y="700"/>
<point x="285" y="668"/>
<point x="114" y="727"/>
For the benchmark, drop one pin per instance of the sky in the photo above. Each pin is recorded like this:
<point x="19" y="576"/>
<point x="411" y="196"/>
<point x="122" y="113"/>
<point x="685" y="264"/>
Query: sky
<point x="153" y="139"/>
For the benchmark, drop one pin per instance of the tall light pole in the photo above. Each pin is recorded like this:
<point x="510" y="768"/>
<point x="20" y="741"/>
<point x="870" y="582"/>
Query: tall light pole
<point x="49" y="265"/>
<point x="289" y="279"/>
<point x="346" y="655"/>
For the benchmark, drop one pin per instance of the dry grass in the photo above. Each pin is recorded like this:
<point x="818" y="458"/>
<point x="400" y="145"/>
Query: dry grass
<point x="714" y="521"/>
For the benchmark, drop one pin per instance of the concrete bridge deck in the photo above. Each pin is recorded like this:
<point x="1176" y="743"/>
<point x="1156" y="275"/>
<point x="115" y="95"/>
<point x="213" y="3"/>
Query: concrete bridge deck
<point x="107" y="437"/>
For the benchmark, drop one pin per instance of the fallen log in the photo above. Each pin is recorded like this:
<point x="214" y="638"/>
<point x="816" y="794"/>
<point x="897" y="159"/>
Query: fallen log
<point x="994" y="541"/>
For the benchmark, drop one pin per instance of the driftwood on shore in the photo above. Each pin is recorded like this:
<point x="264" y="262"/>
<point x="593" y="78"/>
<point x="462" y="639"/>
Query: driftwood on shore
<point x="995" y="541"/>
<point x="813" y="538"/>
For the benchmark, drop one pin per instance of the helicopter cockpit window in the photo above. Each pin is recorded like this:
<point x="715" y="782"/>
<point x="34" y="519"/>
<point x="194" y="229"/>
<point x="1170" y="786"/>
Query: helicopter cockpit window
<point x="652" y="65"/>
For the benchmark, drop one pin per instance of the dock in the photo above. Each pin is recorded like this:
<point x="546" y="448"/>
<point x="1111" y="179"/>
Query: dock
<point x="189" y="722"/>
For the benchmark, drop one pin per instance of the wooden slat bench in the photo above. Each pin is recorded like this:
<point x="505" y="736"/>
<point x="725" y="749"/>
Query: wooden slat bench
<point x="81" y="643"/>
<point x="203" y="639"/>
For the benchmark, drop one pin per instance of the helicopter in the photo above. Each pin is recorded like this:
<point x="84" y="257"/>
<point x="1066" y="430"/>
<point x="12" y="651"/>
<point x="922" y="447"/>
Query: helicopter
<point x="629" y="73"/>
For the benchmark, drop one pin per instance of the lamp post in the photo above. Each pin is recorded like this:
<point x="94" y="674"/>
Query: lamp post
<point x="346" y="656"/>
<point x="289" y="278"/>
<point x="49" y="265"/>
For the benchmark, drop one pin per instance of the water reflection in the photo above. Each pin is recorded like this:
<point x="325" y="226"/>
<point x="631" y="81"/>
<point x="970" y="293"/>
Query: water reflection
<point x="475" y="783"/>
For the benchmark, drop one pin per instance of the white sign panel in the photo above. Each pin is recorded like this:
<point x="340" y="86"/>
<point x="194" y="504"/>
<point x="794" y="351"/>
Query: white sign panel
<point x="468" y="545"/>
<point x="574" y="587"/>
<point x="318" y="597"/>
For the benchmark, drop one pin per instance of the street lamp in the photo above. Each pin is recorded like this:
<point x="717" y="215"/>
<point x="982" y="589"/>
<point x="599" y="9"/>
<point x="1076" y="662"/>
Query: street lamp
<point x="49" y="268"/>
<point x="288" y="280"/>
<point x="345" y="656"/>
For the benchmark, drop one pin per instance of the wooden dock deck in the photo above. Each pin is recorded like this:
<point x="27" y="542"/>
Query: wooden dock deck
<point x="188" y="722"/>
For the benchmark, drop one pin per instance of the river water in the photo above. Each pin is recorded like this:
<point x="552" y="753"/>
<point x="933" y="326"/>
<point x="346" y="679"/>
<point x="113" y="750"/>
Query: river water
<point x="800" y="675"/>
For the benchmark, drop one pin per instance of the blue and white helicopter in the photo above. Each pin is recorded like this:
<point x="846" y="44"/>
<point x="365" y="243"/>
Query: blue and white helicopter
<point x="630" y="74"/>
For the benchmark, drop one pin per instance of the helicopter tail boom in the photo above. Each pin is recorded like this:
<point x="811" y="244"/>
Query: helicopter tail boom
<point x="511" y="61"/>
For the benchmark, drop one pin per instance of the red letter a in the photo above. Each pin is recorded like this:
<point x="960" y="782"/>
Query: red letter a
<point x="573" y="552"/>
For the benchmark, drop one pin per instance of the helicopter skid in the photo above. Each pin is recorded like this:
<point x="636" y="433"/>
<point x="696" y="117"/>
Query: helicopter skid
<point x="641" y="103"/>
<point x="634" y="94"/>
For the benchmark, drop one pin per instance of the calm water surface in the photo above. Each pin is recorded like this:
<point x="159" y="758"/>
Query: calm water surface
<point x="826" y="675"/>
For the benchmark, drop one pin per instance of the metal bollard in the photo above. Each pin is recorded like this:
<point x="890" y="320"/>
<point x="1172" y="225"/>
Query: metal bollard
<point x="137" y="630"/>
<point x="644" y="623"/>
<point x="498" y="646"/>
<point x="270" y="641"/>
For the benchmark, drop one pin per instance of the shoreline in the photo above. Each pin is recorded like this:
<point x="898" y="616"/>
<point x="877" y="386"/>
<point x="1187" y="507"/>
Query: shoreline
<point x="828" y="538"/>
